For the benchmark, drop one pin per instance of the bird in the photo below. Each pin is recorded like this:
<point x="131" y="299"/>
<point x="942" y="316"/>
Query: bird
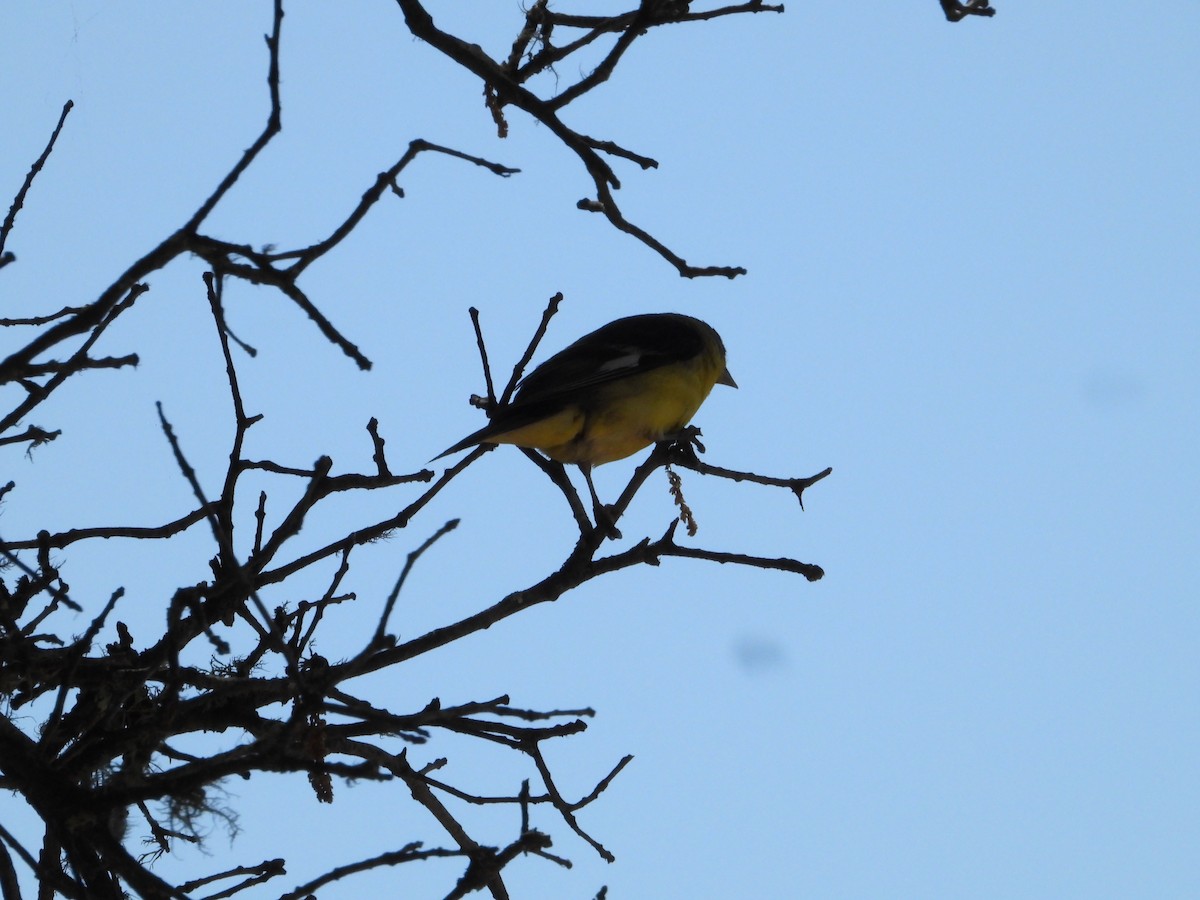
<point x="628" y="384"/>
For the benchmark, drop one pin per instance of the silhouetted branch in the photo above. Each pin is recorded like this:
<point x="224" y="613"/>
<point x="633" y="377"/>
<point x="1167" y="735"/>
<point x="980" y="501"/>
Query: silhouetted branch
<point x="41" y="320"/>
<point x="76" y="363"/>
<point x="66" y="538"/>
<point x="34" y="435"/>
<point x="264" y="871"/>
<point x="273" y="126"/>
<point x="519" y="369"/>
<point x="503" y="87"/>
<point x="683" y="455"/>
<point x="306" y="256"/>
<point x="19" y="201"/>
<point x="105" y="720"/>
<point x="956" y="11"/>
<point x="108" y="362"/>
<point x="408" y="564"/>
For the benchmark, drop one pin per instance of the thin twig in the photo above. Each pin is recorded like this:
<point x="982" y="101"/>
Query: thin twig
<point x="483" y="360"/>
<point x="19" y="200"/>
<point x="411" y="560"/>
<point x="519" y="369"/>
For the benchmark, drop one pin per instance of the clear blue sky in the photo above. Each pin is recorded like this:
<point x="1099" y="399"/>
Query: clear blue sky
<point x="973" y="291"/>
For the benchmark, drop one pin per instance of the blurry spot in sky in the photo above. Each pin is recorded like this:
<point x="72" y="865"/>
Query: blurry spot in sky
<point x="757" y="655"/>
<point x="1109" y="387"/>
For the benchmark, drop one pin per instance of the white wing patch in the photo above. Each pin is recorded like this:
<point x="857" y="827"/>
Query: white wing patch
<point x="631" y="360"/>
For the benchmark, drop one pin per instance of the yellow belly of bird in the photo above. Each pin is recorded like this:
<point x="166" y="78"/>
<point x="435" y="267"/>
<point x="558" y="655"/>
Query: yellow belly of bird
<point x="618" y="420"/>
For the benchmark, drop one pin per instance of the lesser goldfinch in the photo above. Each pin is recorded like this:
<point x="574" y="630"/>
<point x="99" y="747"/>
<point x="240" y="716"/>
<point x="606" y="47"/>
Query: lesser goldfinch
<point x="621" y="388"/>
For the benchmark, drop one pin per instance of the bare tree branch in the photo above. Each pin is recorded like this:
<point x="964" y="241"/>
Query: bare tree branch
<point x="19" y="201"/>
<point x="957" y="11"/>
<point x="108" y="724"/>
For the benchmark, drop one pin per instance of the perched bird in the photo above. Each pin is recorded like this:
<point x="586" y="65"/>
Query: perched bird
<point x="623" y="387"/>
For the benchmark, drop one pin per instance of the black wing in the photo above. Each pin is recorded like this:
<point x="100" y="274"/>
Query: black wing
<point x="620" y="349"/>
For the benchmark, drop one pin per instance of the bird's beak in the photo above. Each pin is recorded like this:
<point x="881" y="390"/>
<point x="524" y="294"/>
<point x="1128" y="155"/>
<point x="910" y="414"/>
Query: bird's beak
<point x="726" y="378"/>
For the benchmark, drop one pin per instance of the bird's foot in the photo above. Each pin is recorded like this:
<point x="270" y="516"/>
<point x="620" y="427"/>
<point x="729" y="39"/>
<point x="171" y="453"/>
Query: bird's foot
<point x="684" y="443"/>
<point x="606" y="521"/>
